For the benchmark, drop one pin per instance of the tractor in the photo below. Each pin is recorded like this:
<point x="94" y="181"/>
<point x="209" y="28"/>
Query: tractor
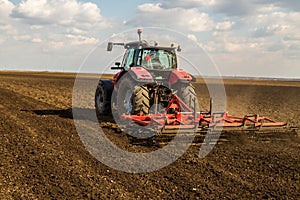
<point x="148" y="77"/>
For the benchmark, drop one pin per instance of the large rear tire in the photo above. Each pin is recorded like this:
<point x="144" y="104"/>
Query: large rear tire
<point x="103" y="98"/>
<point x="141" y="100"/>
<point x="186" y="92"/>
<point x="132" y="98"/>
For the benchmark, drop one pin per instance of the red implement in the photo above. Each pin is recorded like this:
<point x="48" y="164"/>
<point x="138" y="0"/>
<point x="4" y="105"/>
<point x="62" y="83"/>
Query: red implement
<point x="178" y="115"/>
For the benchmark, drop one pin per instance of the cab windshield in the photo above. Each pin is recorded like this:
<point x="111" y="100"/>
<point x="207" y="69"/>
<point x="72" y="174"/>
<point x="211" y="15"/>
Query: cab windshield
<point x="156" y="59"/>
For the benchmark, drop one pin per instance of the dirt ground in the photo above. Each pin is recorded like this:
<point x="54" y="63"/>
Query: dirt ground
<point x="42" y="156"/>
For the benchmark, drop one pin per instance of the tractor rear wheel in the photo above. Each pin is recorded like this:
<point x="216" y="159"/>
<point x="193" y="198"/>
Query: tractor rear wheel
<point x="131" y="98"/>
<point x="186" y="92"/>
<point x="103" y="98"/>
<point x="140" y="100"/>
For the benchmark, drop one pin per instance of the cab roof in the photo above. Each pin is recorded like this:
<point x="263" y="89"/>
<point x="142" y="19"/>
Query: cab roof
<point x="151" y="44"/>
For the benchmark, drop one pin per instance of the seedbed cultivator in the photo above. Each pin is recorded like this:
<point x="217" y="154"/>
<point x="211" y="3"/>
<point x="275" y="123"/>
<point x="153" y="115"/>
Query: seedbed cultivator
<point x="178" y="118"/>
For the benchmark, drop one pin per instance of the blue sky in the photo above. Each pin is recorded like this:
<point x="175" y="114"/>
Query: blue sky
<point x="243" y="37"/>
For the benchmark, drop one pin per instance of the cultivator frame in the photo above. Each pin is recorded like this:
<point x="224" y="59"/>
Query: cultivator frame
<point x="178" y="116"/>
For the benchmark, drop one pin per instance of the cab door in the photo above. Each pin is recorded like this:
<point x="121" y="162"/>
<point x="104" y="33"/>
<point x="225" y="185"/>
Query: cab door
<point x="128" y="60"/>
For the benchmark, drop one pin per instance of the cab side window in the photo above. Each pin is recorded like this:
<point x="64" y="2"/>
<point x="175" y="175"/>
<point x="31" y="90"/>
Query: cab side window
<point x="128" y="60"/>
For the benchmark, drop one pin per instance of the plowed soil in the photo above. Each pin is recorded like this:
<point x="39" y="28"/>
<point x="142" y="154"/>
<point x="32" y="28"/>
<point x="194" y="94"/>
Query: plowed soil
<point x="42" y="156"/>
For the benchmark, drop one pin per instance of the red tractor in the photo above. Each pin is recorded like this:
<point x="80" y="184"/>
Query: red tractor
<point x="148" y="77"/>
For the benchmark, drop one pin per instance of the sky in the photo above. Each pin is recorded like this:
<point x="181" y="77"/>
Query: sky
<point x="259" y="38"/>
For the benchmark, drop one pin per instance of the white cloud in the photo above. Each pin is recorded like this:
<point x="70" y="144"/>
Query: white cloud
<point x="294" y="37"/>
<point x="224" y="26"/>
<point x="268" y="30"/>
<point x="37" y="40"/>
<point x="59" y="12"/>
<point x="76" y="31"/>
<point x="22" y="37"/>
<point x="49" y="32"/>
<point x="233" y="7"/>
<point x="36" y="27"/>
<point x="5" y="9"/>
<point x="53" y="45"/>
<point x="177" y="18"/>
<point x="227" y="43"/>
<point x="275" y="28"/>
<point x="149" y="7"/>
<point x="293" y="5"/>
<point x="192" y="37"/>
<point x="6" y="27"/>
<point x="187" y="3"/>
<point x="81" y="40"/>
<point x="227" y="7"/>
<point x="48" y="17"/>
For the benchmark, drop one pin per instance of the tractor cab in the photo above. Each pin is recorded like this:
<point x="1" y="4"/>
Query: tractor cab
<point x="151" y="55"/>
<point x="150" y="58"/>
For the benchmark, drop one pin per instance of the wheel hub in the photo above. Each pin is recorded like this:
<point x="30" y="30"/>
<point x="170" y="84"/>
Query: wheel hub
<point x="99" y="100"/>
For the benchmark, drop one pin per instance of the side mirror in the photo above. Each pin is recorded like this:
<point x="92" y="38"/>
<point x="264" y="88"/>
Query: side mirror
<point x="179" y="48"/>
<point x="110" y="46"/>
<point x="117" y="66"/>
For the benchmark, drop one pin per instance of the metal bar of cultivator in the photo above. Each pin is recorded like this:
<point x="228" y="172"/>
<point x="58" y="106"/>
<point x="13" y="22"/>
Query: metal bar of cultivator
<point x="182" y="119"/>
<point x="252" y="120"/>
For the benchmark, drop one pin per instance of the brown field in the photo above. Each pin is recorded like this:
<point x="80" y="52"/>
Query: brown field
<point x="42" y="156"/>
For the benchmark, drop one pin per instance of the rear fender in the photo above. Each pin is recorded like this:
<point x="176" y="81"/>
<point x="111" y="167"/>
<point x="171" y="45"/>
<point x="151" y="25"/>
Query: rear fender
<point x="137" y="74"/>
<point x="140" y="74"/>
<point x="179" y="75"/>
<point x="116" y="77"/>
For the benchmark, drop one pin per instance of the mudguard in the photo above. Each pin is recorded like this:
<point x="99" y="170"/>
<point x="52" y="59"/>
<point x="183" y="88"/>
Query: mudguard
<point x="116" y="77"/>
<point x="140" y="74"/>
<point x="179" y="75"/>
<point x="136" y="73"/>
